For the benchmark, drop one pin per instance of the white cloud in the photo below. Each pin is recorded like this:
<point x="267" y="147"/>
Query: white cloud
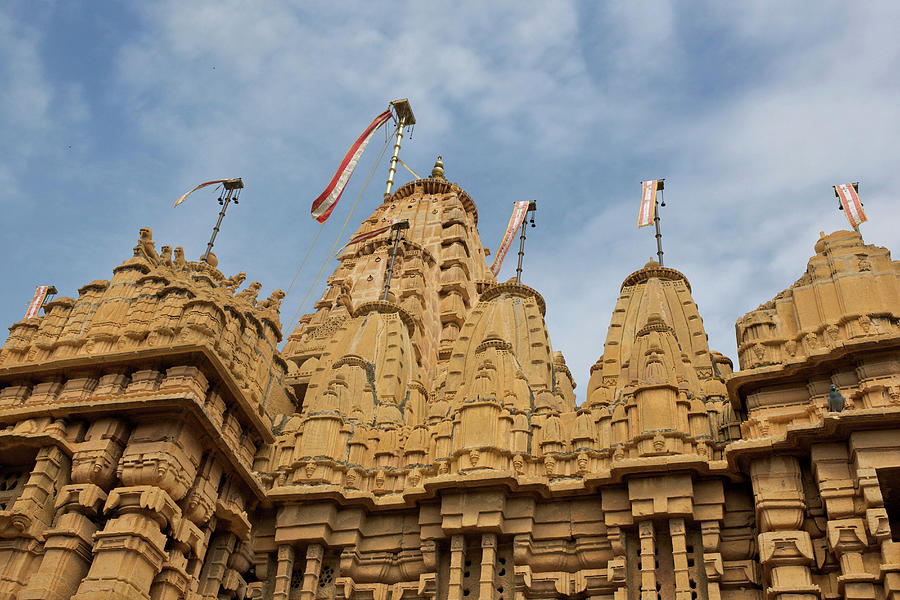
<point x="751" y="112"/>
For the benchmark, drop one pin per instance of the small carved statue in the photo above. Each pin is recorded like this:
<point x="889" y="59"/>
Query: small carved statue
<point x="249" y="295"/>
<point x="351" y="482"/>
<point x="234" y="282"/>
<point x="865" y="323"/>
<point x="273" y="301"/>
<point x="582" y="463"/>
<point x="145" y="246"/>
<point x="790" y="347"/>
<point x="414" y="478"/>
<point x="165" y="256"/>
<point x="180" y="262"/>
<point x="550" y="466"/>
<point x="474" y="456"/>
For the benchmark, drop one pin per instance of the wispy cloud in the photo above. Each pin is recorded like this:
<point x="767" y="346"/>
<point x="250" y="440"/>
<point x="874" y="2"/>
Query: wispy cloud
<point x="751" y="112"/>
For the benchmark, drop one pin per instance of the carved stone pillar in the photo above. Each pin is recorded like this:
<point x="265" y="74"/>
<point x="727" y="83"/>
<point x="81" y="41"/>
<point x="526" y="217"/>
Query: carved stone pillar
<point x="68" y="545"/>
<point x="648" y="560"/>
<point x="220" y="548"/>
<point x="488" y="561"/>
<point x="33" y="509"/>
<point x="67" y="550"/>
<point x="680" y="559"/>
<point x="314" y="555"/>
<point x="284" y="570"/>
<point x="131" y="549"/>
<point x="831" y="467"/>
<point x="784" y="550"/>
<point x="17" y="556"/>
<point x="30" y="515"/>
<point x="890" y="568"/>
<point x="457" y="560"/>
<point x="174" y="578"/>
<point x="847" y="538"/>
<point x="710" y="532"/>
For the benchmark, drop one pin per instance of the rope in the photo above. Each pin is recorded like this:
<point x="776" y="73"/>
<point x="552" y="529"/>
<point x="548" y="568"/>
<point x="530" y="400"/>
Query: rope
<point x="315" y="282"/>
<point x="303" y="262"/>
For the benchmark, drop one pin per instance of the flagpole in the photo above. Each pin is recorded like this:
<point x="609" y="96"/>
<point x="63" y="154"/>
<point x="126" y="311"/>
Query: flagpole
<point x="405" y="118"/>
<point x="398" y="227"/>
<point x="659" y="250"/>
<point x="532" y="207"/>
<point x="230" y="186"/>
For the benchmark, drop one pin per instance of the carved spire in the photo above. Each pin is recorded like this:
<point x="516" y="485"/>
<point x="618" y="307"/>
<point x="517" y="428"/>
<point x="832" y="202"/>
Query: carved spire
<point x="656" y="368"/>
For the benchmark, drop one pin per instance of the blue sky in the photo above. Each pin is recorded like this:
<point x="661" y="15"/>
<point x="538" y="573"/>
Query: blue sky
<point x="110" y="110"/>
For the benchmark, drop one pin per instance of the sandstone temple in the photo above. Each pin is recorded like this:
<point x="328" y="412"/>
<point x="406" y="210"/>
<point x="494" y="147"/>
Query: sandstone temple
<point x="155" y="443"/>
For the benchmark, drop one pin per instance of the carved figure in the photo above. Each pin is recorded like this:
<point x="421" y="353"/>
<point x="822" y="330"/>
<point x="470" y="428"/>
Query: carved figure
<point x="832" y="334"/>
<point x="145" y="246"/>
<point x="165" y="256"/>
<point x="865" y="323"/>
<point x="180" y="262"/>
<point x="582" y="463"/>
<point x="414" y="478"/>
<point x="518" y="464"/>
<point x="234" y="282"/>
<point x="474" y="455"/>
<point x="550" y="466"/>
<point x="351" y="481"/>
<point x="790" y="347"/>
<point x="273" y="301"/>
<point x="249" y="294"/>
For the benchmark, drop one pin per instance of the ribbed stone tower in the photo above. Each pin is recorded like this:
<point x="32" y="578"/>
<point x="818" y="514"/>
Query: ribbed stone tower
<point x="155" y="443"/>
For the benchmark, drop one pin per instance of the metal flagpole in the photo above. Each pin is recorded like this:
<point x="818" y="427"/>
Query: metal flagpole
<point x="659" y="250"/>
<point x="532" y="207"/>
<point x="230" y="186"/>
<point x="398" y="228"/>
<point x="405" y="118"/>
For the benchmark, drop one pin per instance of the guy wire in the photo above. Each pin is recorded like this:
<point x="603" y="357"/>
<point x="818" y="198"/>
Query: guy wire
<point x="303" y="262"/>
<point x="328" y="256"/>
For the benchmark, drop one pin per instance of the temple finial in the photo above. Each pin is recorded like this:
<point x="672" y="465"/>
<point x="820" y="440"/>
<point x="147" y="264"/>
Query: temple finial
<point x="438" y="171"/>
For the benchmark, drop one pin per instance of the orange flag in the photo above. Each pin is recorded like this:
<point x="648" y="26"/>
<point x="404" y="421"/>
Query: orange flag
<point x="648" y="202"/>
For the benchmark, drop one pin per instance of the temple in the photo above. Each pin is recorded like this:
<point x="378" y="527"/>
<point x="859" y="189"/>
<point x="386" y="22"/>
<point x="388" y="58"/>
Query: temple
<point x="424" y="440"/>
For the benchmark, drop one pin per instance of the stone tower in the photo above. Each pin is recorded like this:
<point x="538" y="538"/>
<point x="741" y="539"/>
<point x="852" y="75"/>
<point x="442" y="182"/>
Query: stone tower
<point x="155" y="443"/>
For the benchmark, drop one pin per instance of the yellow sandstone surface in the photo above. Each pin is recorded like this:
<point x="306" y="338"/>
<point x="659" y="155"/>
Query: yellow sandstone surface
<point x="155" y="442"/>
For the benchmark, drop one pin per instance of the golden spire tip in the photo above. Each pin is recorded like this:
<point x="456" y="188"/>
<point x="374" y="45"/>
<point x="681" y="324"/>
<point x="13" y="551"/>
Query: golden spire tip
<point x="438" y="171"/>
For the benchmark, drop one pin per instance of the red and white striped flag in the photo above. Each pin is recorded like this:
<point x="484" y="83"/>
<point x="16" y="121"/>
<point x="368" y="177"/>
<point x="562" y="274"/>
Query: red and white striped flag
<point x="648" y="202"/>
<point x="325" y="203"/>
<point x="520" y="210"/>
<point x="368" y="235"/>
<point x="202" y="185"/>
<point x="850" y="201"/>
<point x="39" y="294"/>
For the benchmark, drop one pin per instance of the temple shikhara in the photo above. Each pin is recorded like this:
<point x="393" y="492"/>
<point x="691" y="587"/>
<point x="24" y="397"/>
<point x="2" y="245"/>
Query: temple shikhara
<point x="426" y="442"/>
